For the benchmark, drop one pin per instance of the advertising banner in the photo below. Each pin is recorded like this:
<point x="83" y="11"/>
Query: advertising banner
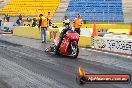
<point x="114" y="44"/>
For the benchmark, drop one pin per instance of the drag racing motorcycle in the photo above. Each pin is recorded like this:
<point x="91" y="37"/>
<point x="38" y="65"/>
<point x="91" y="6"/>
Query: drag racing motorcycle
<point x="69" y="45"/>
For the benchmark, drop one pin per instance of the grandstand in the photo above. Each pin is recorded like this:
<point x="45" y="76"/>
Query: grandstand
<point x="97" y="10"/>
<point x="91" y="10"/>
<point x="30" y="7"/>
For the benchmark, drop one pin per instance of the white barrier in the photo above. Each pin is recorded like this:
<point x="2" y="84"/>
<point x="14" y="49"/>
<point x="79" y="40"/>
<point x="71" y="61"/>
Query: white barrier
<point x="86" y="31"/>
<point x="7" y="25"/>
<point x="114" y="44"/>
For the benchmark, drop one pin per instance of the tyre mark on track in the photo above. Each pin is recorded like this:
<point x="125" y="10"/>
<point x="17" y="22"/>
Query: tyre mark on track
<point x="30" y="58"/>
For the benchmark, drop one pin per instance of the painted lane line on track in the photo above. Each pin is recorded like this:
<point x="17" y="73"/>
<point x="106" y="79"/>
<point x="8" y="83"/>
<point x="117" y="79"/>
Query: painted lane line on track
<point x="105" y="52"/>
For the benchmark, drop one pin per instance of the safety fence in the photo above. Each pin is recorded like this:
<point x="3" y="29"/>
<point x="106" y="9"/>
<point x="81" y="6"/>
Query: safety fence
<point x="120" y="45"/>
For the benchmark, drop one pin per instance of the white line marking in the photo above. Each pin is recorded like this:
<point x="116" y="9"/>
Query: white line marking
<point x="110" y="53"/>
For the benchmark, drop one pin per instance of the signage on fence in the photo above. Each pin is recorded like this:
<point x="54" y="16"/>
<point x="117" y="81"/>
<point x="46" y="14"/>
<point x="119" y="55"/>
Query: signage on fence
<point x="115" y="45"/>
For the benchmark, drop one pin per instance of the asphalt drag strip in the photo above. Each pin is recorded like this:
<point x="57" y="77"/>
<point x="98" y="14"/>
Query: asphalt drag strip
<point x="25" y="67"/>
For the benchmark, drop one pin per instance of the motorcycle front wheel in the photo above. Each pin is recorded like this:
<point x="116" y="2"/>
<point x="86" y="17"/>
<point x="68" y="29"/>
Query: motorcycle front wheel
<point x="75" y="49"/>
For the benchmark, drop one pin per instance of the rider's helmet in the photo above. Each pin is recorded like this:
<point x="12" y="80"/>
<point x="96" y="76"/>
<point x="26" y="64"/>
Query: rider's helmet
<point x="68" y="27"/>
<point x="66" y="17"/>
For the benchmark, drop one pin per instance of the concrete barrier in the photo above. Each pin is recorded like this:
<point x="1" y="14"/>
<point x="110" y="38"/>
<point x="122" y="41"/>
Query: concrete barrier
<point x="28" y="32"/>
<point x="52" y="33"/>
<point x="85" y="41"/>
<point x="120" y="45"/>
<point x="35" y="33"/>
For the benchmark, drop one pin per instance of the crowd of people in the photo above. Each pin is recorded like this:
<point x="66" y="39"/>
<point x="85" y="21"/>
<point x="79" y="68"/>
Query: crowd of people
<point x="33" y="20"/>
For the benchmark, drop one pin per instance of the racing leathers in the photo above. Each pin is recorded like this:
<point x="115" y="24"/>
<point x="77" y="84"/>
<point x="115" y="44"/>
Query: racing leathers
<point x="62" y="35"/>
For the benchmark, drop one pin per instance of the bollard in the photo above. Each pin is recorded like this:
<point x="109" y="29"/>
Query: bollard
<point x="92" y="41"/>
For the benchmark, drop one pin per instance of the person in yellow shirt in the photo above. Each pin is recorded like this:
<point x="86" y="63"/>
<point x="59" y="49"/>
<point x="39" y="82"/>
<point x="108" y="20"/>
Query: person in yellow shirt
<point x="77" y="23"/>
<point x="66" y="21"/>
<point x="43" y="24"/>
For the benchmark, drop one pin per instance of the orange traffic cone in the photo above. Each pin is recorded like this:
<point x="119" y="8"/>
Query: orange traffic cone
<point x="95" y="33"/>
<point x="130" y="33"/>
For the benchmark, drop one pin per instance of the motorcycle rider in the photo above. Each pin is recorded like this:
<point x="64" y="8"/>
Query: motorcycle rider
<point x="66" y="21"/>
<point x="62" y="35"/>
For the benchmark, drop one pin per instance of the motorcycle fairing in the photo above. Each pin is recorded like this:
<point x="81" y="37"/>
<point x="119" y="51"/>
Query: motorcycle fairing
<point x="64" y="46"/>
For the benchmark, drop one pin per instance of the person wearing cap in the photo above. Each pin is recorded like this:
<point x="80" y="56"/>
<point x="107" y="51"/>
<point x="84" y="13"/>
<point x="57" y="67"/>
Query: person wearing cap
<point x="77" y="23"/>
<point x="66" y="21"/>
<point x="43" y="25"/>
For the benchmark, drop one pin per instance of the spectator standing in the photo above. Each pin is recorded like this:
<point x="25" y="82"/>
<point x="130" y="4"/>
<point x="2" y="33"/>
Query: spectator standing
<point x="0" y="21"/>
<point x="20" y="16"/>
<point x="49" y="19"/>
<point x="77" y="23"/>
<point x="4" y="19"/>
<point x="19" y="21"/>
<point x="7" y="17"/>
<point x="29" y="19"/>
<point x="34" y="22"/>
<point x="43" y="24"/>
<point x="66" y="21"/>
